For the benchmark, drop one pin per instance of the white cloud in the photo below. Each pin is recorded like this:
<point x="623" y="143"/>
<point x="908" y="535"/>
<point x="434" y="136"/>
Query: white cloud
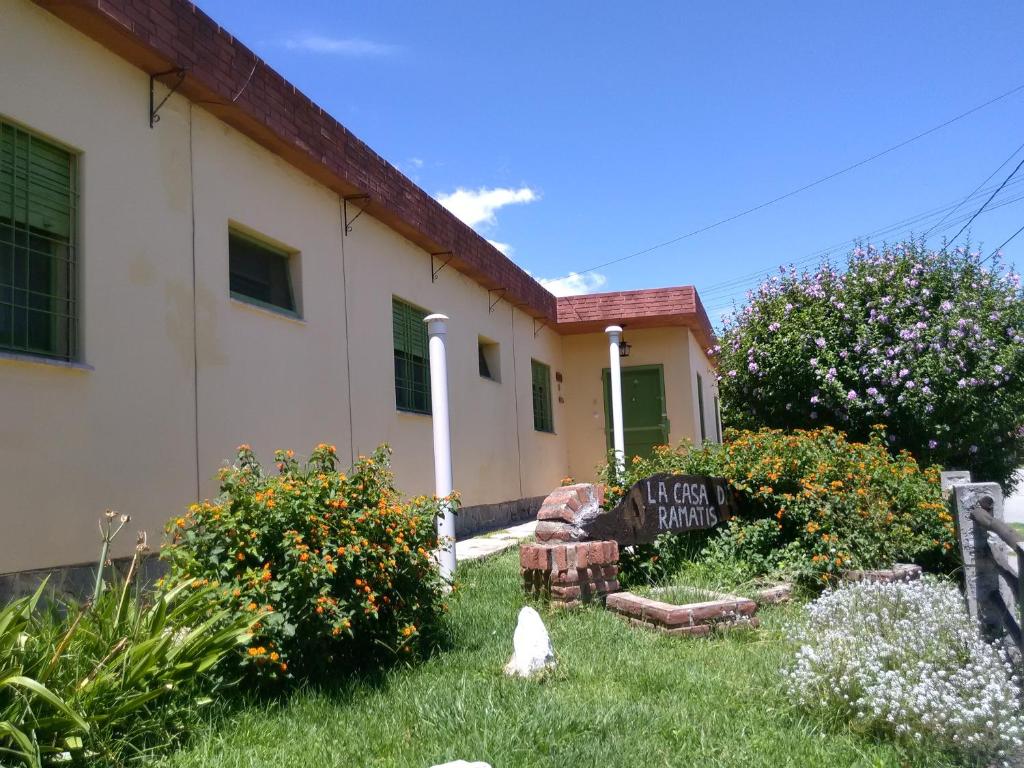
<point x="574" y="283"/>
<point x="341" y="46"/>
<point x="478" y="206"/>
<point x="416" y="162"/>
<point x="505" y="248"/>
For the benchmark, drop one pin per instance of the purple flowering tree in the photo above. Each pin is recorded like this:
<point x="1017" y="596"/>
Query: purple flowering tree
<point x="929" y="343"/>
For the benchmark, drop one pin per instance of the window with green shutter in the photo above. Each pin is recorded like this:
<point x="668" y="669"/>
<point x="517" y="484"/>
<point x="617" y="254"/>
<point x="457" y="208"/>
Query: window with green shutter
<point x="38" y="201"/>
<point x="412" y="361"/>
<point x="543" y="420"/>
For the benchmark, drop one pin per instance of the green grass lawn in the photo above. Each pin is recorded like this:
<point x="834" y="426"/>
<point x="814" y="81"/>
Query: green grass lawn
<point x="620" y="697"/>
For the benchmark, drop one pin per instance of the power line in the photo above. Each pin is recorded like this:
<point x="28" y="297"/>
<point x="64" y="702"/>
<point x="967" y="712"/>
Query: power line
<point x="1004" y="244"/>
<point x="725" y="285"/>
<point x="985" y="204"/>
<point x="986" y="181"/>
<point x="805" y="187"/>
<point x="724" y="299"/>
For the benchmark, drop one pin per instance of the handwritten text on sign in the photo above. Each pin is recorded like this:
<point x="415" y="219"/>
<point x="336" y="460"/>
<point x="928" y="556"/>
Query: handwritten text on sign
<point x="684" y="505"/>
<point x="665" y="503"/>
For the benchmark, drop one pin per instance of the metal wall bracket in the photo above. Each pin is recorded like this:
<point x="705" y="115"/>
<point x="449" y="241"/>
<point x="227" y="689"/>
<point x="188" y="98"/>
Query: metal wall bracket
<point x="344" y="202"/>
<point x="154" y="108"/>
<point x="493" y="304"/>
<point x="538" y="328"/>
<point x="434" y="272"/>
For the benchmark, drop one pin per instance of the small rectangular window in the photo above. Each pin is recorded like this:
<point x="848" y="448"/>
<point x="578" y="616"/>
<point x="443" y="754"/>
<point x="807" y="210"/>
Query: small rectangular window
<point x="543" y="419"/>
<point x="412" y="359"/>
<point x="38" y="263"/>
<point x="718" y="421"/>
<point x="700" y="408"/>
<point x="260" y="273"/>
<point x="489" y="360"/>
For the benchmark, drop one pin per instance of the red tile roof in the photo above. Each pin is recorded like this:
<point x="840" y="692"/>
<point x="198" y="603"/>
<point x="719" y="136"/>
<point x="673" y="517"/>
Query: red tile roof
<point x="649" y="308"/>
<point x="231" y="82"/>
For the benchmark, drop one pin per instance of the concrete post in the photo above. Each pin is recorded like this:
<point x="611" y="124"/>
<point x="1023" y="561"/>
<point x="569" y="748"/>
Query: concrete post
<point x="981" y="576"/>
<point x="437" y="330"/>
<point x="618" y="436"/>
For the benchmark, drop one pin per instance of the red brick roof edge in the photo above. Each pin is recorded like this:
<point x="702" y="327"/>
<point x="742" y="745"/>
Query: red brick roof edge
<point x="229" y="80"/>
<point x="647" y="308"/>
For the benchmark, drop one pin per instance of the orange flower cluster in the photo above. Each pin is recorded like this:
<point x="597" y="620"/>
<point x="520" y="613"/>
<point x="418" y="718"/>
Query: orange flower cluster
<point x="842" y="504"/>
<point x="322" y="557"/>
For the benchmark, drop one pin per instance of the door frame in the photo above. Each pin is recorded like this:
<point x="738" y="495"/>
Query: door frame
<point x="607" y="398"/>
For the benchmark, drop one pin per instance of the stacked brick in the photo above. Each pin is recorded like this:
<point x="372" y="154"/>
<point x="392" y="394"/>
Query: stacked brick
<point x="565" y="508"/>
<point x="570" y="573"/>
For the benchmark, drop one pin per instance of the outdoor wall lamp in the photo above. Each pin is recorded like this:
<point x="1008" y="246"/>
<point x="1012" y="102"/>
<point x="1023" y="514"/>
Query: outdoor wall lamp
<point x="624" y="347"/>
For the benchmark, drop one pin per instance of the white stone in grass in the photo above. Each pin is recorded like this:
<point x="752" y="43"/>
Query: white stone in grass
<point x="461" y="764"/>
<point x="532" y="646"/>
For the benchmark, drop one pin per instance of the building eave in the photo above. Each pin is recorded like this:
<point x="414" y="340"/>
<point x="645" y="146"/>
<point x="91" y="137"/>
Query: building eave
<point x="227" y="79"/>
<point x="679" y="306"/>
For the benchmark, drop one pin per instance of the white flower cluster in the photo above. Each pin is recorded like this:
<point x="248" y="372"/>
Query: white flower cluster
<point x="907" y="658"/>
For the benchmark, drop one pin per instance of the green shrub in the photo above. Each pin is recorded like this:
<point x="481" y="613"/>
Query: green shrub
<point x="811" y="504"/>
<point x="929" y="342"/>
<point x="108" y="682"/>
<point x="337" y="568"/>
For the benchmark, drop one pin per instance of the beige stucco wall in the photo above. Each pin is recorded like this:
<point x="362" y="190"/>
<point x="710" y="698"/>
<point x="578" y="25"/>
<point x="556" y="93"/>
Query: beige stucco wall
<point x="174" y="373"/>
<point x="120" y="429"/>
<point x="265" y="378"/>
<point x="586" y="355"/>
<point x="493" y="458"/>
<point x="118" y="434"/>
<point x="699" y="363"/>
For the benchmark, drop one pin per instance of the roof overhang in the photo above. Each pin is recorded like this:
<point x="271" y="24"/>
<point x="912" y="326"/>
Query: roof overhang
<point x="650" y="308"/>
<point x="230" y="81"/>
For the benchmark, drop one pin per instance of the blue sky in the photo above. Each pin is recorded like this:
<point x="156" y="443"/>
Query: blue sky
<point x="581" y="132"/>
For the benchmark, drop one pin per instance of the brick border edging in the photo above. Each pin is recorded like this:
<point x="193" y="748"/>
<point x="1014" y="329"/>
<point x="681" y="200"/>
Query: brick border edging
<point x="686" y="619"/>
<point x="899" y="572"/>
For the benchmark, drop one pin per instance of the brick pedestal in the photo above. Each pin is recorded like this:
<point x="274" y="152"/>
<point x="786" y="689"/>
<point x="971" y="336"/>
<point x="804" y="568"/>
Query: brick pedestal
<point x="569" y="574"/>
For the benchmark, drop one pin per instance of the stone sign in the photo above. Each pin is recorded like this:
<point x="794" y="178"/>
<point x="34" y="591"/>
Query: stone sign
<point x="657" y="504"/>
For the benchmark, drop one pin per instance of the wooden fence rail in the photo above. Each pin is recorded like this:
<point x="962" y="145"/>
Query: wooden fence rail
<point x="992" y="551"/>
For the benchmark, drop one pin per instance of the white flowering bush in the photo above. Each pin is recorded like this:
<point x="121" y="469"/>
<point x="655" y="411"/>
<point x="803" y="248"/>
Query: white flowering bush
<point x="929" y="343"/>
<point x="907" y="659"/>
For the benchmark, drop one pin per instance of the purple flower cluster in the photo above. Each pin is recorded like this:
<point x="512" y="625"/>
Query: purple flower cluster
<point x="929" y="342"/>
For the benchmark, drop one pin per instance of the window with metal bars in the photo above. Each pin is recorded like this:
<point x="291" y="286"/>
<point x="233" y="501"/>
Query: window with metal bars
<point x="38" y="280"/>
<point x="543" y="419"/>
<point x="412" y="361"/>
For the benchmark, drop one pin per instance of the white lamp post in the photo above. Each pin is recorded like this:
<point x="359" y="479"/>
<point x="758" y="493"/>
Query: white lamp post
<point x="437" y="330"/>
<point x="618" y="439"/>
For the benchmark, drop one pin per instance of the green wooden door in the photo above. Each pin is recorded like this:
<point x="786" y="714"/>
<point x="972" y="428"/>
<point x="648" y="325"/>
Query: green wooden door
<point x="644" y="420"/>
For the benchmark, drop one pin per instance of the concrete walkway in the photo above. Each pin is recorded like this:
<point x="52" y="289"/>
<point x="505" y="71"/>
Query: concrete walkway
<point x="493" y="542"/>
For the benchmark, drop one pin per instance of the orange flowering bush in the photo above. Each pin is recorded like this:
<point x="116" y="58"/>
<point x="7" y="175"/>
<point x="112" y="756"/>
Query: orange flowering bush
<point x="337" y="567"/>
<point x="812" y="503"/>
